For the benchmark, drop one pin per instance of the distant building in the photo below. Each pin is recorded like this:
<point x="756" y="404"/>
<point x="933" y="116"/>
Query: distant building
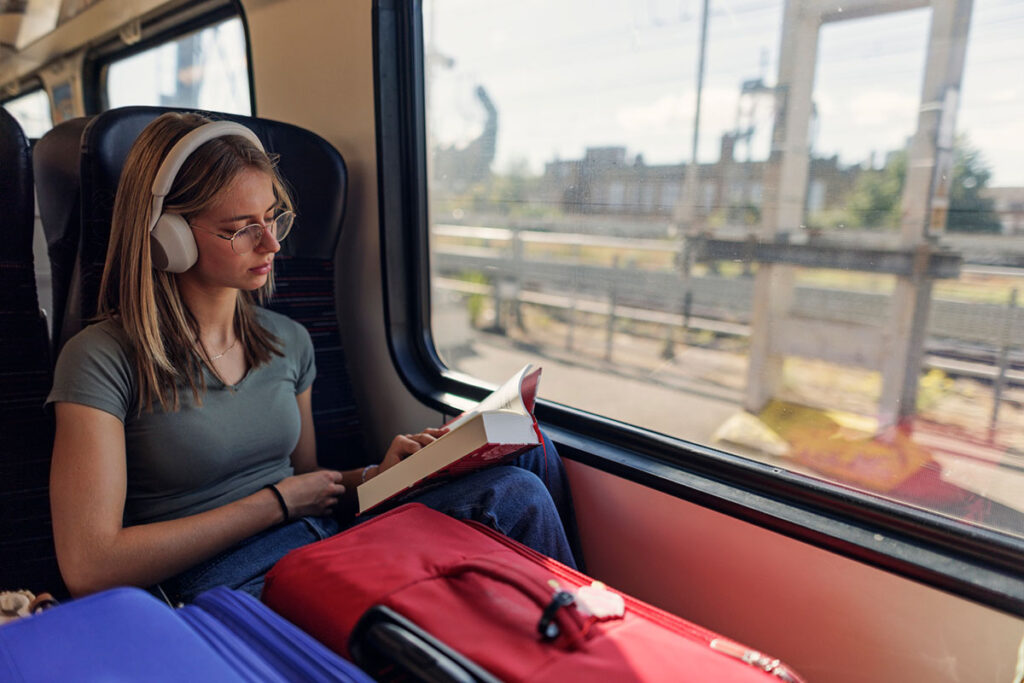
<point x="605" y="181"/>
<point x="1009" y="206"/>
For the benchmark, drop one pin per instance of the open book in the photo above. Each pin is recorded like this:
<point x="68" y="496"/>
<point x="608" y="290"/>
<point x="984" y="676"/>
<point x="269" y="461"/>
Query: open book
<point x="499" y="428"/>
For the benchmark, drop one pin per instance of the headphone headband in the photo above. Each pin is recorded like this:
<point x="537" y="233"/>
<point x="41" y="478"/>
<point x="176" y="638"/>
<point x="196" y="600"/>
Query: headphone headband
<point x="181" y="150"/>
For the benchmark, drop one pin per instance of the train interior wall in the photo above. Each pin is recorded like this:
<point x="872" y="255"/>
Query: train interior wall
<point x="318" y="74"/>
<point x="831" y="618"/>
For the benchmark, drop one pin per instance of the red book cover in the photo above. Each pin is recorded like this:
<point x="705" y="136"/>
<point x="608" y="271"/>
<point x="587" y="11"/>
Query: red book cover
<point x="496" y="430"/>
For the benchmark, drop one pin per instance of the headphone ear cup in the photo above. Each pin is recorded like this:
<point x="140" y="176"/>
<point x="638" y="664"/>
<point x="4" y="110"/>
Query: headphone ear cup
<point x="173" y="245"/>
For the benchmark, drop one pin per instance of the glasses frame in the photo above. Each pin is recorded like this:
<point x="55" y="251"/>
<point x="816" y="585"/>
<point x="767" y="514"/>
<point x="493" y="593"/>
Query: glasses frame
<point x="261" y="227"/>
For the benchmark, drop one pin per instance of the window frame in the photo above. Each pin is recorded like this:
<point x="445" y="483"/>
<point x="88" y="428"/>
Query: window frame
<point x="919" y="545"/>
<point x="157" y="31"/>
<point x="28" y="87"/>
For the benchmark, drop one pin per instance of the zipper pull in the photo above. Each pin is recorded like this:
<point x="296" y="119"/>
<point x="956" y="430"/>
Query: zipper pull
<point x="754" y="658"/>
<point x="546" y="627"/>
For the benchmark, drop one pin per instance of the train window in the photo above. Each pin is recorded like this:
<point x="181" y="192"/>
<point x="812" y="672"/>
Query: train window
<point x="206" y="69"/>
<point x="782" y="231"/>
<point x="32" y="111"/>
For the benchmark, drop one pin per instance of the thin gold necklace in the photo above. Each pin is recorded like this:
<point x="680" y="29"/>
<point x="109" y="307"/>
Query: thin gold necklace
<point x="221" y="354"/>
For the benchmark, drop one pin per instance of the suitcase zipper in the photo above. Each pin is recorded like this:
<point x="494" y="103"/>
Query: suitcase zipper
<point x="765" y="663"/>
<point x="756" y="659"/>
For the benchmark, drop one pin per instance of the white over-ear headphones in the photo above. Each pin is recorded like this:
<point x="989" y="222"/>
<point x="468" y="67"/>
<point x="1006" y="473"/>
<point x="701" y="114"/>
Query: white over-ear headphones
<point x="173" y="244"/>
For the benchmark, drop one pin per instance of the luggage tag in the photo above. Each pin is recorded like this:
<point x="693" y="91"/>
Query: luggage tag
<point x="596" y="601"/>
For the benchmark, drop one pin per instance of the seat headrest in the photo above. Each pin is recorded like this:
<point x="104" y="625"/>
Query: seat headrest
<point x="311" y="166"/>
<point x="55" y="160"/>
<point x="17" y="202"/>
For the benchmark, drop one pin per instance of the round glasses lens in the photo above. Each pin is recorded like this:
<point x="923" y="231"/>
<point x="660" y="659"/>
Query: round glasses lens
<point x="246" y="239"/>
<point x="282" y="225"/>
<point x="249" y="237"/>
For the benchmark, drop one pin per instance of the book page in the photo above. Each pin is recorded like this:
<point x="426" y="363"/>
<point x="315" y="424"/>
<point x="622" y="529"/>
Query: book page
<point x="506" y="397"/>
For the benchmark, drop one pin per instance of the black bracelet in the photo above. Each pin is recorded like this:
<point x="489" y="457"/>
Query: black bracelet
<point x="280" y="499"/>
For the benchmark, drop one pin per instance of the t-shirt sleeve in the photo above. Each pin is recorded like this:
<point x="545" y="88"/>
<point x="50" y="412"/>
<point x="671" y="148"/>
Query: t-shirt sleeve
<point x="94" y="370"/>
<point x="306" y="360"/>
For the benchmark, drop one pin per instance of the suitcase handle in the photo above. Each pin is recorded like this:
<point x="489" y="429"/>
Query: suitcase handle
<point x="538" y="593"/>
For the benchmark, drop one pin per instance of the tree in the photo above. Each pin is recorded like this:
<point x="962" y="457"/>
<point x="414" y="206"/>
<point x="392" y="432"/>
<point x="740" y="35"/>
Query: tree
<point x="968" y="210"/>
<point x="875" y="201"/>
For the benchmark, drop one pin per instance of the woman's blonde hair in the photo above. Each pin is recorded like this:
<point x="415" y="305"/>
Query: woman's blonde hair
<point x="161" y="330"/>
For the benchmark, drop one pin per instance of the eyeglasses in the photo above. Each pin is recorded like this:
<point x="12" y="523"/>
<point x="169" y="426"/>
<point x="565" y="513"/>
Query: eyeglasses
<point x="246" y="239"/>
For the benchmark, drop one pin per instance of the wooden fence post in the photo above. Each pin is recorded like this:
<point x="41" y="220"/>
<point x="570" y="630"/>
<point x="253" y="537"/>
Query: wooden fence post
<point x="517" y="270"/>
<point x="497" y="326"/>
<point x="1003" y="361"/>
<point x="571" y="331"/>
<point x="574" y="289"/>
<point x="613" y="296"/>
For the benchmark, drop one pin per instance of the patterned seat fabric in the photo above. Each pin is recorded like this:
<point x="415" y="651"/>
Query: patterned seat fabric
<point x="304" y="269"/>
<point x="27" y="559"/>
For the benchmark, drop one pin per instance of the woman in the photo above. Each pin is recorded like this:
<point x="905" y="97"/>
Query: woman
<point x="185" y="455"/>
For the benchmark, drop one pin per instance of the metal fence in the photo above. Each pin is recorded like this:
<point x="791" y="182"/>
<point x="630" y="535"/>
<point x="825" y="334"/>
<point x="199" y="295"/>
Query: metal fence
<point x="554" y="275"/>
<point x="720" y="297"/>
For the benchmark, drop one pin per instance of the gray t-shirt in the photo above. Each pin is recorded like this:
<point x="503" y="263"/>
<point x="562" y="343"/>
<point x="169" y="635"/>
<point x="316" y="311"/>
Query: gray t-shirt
<point x="198" y="458"/>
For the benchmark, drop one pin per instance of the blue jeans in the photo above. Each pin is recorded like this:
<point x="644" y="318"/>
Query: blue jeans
<point x="528" y="501"/>
<point x="243" y="566"/>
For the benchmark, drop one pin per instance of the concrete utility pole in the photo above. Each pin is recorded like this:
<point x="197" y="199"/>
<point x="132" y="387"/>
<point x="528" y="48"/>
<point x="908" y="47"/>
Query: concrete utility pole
<point x="895" y="349"/>
<point x="784" y="193"/>
<point x="686" y="209"/>
<point x="925" y="204"/>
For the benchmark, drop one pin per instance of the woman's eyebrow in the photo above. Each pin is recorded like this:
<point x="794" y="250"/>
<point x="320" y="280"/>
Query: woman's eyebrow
<point x="249" y="216"/>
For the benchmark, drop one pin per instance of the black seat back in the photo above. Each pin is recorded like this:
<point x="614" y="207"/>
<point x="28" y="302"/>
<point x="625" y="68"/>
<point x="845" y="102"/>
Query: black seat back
<point x="55" y="160"/>
<point x="304" y="270"/>
<point x="27" y="558"/>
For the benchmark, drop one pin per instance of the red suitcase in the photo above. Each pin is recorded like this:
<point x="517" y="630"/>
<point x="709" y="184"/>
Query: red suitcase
<point x="515" y="613"/>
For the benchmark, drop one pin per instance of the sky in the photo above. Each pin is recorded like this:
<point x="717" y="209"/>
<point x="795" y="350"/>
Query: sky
<point x="570" y="74"/>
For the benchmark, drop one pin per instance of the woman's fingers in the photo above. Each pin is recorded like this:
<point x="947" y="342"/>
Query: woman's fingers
<point x="404" y="445"/>
<point x="422" y="439"/>
<point x="428" y="435"/>
<point x="407" y="444"/>
<point x="313" y="493"/>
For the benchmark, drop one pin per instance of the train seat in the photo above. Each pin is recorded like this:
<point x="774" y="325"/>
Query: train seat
<point x="59" y="191"/>
<point x="304" y="270"/>
<point x="27" y="558"/>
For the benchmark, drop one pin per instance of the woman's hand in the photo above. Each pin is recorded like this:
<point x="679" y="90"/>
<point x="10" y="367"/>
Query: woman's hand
<point x="313" y="494"/>
<point x="404" y="445"/>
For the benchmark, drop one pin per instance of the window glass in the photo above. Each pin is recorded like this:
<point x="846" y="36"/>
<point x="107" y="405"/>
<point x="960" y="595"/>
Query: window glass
<point x="204" y="70"/>
<point x="32" y="111"/>
<point x="811" y="268"/>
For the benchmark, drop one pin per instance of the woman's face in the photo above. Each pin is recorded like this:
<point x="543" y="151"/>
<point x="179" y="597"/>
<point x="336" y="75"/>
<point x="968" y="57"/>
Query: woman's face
<point x="248" y="199"/>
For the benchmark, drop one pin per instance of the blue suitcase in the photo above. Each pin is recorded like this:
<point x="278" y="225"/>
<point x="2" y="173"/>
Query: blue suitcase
<point x="125" y="634"/>
<point x="289" y="650"/>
